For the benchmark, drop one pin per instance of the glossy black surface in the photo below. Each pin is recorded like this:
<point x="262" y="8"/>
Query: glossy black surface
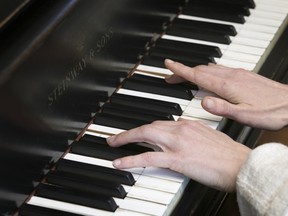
<point x="96" y="172"/>
<point x="59" y="61"/>
<point x="151" y="104"/>
<point x="85" y="184"/>
<point x="172" y="45"/>
<point x="69" y="195"/>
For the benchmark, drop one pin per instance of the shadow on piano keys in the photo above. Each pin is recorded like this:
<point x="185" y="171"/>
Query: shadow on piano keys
<point x="73" y="73"/>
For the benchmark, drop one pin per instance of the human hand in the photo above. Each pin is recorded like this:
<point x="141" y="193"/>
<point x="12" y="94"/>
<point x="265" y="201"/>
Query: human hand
<point x="188" y="147"/>
<point x="244" y="96"/>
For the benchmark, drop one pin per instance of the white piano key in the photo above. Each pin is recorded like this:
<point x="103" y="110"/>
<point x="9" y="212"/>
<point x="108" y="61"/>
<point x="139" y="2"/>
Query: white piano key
<point x="164" y="174"/>
<point x="236" y="64"/>
<point x="67" y="207"/>
<point x="88" y="160"/>
<point x="246" y="49"/>
<point x="99" y="162"/>
<point x="200" y="94"/>
<point x="160" y="76"/>
<point x="152" y="69"/>
<point x="183" y="103"/>
<point x="96" y="134"/>
<point x="265" y="14"/>
<point x="95" y="128"/>
<point x="148" y="194"/>
<point x="201" y="113"/>
<point x="195" y="103"/>
<point x="279" y="3"/>
<point x="253" y="27"/>
<point x="244" y="57"/>
<point x="156" y="196"/>
<point x="142" y="206"/>
<point x="125" y="212"/>
<point x="271" y="8"/>
<point x="250" y="42"/>
<point x="212" y="124"/>
<point x="256" y="35"/>
<point x="264" y="21"/>
<point x="158" y="184"/>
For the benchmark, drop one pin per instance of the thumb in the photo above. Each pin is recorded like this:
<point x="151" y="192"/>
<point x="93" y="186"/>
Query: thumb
<point x="218" y="106"/>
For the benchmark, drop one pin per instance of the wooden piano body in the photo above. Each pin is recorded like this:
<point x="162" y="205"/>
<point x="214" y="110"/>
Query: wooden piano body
<point x="60" y="61"/>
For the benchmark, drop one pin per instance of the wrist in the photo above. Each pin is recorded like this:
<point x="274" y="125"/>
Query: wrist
<point x="283" y="115"/>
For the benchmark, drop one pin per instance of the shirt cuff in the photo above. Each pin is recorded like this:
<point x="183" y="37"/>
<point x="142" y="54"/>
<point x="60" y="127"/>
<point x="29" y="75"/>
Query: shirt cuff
<point x="262" y="183"/>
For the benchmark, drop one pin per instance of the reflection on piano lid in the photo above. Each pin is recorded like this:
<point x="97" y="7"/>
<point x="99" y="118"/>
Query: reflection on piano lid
<point x="74" y="72"/>
<point x="10" y="10"/>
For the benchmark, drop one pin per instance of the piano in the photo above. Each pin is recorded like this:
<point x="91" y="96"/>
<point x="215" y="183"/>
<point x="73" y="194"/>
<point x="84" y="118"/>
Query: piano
<point x="75" y="72"/>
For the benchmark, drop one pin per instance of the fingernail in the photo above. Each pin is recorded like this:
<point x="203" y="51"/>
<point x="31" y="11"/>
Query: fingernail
<point x="110" y="139"/>
<point x="116" y="162"/>
<point x="169" y="61"/>
<point x="210" y="104"/>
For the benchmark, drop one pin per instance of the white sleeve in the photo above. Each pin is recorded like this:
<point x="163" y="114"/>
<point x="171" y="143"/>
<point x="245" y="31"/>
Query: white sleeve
<point x="262" y="184"/>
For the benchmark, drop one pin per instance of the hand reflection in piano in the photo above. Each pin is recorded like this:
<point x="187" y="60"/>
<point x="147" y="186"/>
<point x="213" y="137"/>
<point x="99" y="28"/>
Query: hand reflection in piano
<point x="194" y="149"/>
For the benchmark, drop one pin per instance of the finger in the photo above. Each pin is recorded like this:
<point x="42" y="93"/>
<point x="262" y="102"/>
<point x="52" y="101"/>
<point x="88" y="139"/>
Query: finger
<point x="146" y="133"/>
<point x="218" y="106"/>
<point x="174" y="79"/>
<point x="157" y="159"/>
<point x="130" y="136"/>
<point x="207" y="77"/>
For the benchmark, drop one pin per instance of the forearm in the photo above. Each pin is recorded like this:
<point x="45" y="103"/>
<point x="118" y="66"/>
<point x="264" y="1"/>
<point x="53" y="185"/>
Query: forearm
<point x="262" y="184"/>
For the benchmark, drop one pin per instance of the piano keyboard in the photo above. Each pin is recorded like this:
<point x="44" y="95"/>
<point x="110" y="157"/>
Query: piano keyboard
<point x="84" y="182"/>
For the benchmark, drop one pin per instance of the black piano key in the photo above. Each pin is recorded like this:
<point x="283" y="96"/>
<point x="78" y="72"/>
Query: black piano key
<point x="222" y="13"/>
<point x="130" y="112"/>
<point x="158" y="88"/>
<point x="94" y="139"/>
<point x="242" y="3"/>
<point x="6" y="205"/>
<point x="85" y="184"/>
<point x="156" y="61"/>
<point x="99" y="151"/>
<point x="213" y="27"/>
<point x="151" y="104"/>
<point x="180" y="55"/>
<point x="189" y="47"/>
<point x="199" y="34"/>
<point x="96" y="172"/>
<point x="102" y="141"/>
<point x="32" y="210"/>
<point x="185" y="85"/>
<point x="98" y="201"/>
<point x="118" y="122"/>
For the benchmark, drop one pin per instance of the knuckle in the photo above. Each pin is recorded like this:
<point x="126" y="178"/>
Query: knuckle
<point x="187" y="126"/>
<point x="148" y="158"/>
<point x="200" y="67"/>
